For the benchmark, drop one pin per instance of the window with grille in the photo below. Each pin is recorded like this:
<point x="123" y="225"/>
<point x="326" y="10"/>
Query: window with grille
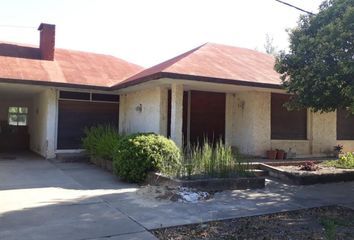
<point x="18" y="116"/>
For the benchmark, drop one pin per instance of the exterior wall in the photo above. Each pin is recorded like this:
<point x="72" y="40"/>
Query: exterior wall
<point x="248" y="128"/>
<point x="150" y="119"/>
<point x="247" y="122"/>
<point x="300" y="147"/>
<point x="324" y="133"/>
<point x="252" y="123"/>
<point x="44" y="123"/>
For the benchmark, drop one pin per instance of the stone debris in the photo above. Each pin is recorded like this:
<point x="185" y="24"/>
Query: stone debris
<point x="188" y="195"/>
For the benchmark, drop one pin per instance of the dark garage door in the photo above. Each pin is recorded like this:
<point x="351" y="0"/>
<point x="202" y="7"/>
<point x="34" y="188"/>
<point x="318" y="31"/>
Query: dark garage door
<point x="74" y="116"/>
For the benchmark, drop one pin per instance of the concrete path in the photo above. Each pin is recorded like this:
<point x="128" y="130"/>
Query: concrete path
<point x="42" y="199"/>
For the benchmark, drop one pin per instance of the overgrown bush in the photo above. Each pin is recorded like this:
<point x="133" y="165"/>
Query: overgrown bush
<point x="135" y="155"/>
<point x="345" y="161"/>
<point x="101" y="140"/>
<point x="210" y="160"/>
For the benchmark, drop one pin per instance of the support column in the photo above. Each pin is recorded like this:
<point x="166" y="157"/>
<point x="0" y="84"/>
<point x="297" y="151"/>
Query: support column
<point x="163" y="110"/>
<point x="177" y="113"/>
<point x="122" y="114"/>
<point x="51" y="122"/>
<point x="230" y="118"/>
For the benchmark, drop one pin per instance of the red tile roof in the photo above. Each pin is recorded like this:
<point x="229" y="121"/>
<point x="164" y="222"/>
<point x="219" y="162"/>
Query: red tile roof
<point x="209" y="62"/>
<point x="21" y="63"/>
<point x="215" y="63"/>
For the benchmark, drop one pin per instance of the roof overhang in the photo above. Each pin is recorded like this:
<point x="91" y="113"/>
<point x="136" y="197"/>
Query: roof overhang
<point x="53" y="84"/>
<point x="146" y="80"/>
<point x="160" y="75"/>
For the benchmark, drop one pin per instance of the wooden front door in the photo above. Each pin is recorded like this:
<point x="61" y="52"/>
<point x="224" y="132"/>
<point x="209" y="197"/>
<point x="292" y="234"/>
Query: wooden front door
<point x="207" y="116"/>
<point x="203" y="116"/>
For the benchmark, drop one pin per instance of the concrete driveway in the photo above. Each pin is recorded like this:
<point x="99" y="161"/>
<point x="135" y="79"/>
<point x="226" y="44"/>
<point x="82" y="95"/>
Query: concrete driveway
<point x="42" y="199"/>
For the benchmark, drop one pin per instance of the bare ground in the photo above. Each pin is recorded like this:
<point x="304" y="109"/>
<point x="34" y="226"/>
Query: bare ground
<point x="322" y="170"/>
<point x="332" y="222"/>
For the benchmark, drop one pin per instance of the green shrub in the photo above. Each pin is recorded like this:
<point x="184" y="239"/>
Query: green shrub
<point x="101" y="140"/>
<point x="137" y="154"/>
<point x="346" y="161"/>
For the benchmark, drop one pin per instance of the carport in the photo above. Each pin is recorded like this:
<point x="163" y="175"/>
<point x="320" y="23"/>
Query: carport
<point x="27" y="119"/>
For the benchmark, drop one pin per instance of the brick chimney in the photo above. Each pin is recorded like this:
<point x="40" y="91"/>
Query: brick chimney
<point x="47" y="41"/>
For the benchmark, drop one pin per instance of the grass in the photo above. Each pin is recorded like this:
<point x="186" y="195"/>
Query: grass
<point x="346" y="162"/>
<point x="208" y="160"/>
<point x="330" y="226"/>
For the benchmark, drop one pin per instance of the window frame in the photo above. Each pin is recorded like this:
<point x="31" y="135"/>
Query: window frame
<point x="17" y="113"/>
<point x="344" y="130"/>
<point x="275" y="132"/>
<point x="89" y="96"/>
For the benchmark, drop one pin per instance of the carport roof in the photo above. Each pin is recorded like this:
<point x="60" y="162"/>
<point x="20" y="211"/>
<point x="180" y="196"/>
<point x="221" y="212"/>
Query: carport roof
<point x="214" y="63"/>
<point x="22" y="63"/>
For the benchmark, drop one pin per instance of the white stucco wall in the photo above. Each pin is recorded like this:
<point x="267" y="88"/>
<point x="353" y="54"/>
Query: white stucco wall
<point x="150" y="119"/>
<point x="247" y="121"/>
<point x="43" y="123"/>
<point x="324" y="132"/>
<point x="248" y="128"/>
<point x="252" y="123"/>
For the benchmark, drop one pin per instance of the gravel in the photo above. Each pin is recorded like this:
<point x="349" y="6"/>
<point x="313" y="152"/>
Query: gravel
<point x="314" y="223"/>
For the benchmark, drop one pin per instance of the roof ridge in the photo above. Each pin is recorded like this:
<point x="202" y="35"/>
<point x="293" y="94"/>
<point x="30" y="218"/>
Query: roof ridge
<point x="160" y="67"/>
<point x="241" y="48"/>
<point x="180" y="57"/>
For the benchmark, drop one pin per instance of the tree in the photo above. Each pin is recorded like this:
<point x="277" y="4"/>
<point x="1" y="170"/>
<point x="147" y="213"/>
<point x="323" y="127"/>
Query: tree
<point x="318" y="70"/>
<point x="269" y="45"/>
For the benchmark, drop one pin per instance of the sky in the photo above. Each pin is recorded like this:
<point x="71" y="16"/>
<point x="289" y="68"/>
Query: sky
<point x="147" y="32"/>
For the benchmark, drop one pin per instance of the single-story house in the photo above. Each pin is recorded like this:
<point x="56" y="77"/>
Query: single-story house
<point x="49" y="95"/>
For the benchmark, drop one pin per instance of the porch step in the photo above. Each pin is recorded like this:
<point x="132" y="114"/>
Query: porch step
<point x="73" y="157"/>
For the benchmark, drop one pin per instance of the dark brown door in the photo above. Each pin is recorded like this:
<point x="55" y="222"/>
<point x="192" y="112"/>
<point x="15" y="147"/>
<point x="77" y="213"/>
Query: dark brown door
<point x="75" y="116"/>
<point x="207" y="116"/>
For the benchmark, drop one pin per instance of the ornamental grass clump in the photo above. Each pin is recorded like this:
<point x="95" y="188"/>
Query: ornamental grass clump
<point x="211" y="160"/>
<point x="101" y="140"/>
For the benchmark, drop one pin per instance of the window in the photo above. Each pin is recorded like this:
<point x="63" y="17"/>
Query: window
<point x="74" y="95"/>
<point x="105" y="97"/>
<point x="92" y="97"/>
<point x="18" y="116"/>
<point x="286" y="124"/>
<point x="345" y="125"/>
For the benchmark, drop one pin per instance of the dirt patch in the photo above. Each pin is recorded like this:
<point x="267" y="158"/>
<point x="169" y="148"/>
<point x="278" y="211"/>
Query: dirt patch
<point x="322" y="170"/>
<point x="332" y="222"/>
<point x="174" y="194"/>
